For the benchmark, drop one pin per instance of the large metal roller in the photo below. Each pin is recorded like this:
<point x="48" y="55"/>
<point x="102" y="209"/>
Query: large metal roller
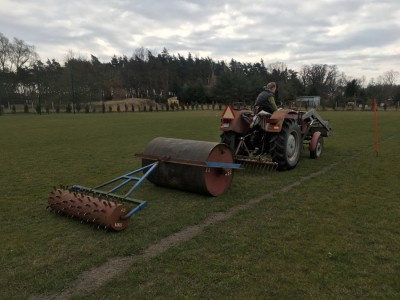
<point x="185" y="165"/>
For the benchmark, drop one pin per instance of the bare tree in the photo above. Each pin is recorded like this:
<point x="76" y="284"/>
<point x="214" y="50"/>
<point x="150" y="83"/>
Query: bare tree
<point x="331" y="79"/>
<point x="5" y="51"/>
<point x="141" y="53"/>
<point x="390" y="77"/>
<point x="321" y="80"/>
<point x="278" y="66"/>
<point x="22" y="54"/>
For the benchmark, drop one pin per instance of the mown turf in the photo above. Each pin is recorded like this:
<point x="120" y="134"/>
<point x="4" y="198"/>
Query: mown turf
<point x="334" y="236"/>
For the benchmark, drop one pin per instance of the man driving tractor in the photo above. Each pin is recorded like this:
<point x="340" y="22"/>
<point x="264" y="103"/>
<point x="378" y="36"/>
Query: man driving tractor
<point x="266" y="99"/>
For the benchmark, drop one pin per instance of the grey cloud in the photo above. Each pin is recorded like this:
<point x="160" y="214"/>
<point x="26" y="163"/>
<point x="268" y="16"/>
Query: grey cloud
<point x="301" y="30"/>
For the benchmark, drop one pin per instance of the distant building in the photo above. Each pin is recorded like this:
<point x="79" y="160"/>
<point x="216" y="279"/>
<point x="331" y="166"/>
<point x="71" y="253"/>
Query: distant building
<point x="308" y="100"/>
<point x="173" y="101"/>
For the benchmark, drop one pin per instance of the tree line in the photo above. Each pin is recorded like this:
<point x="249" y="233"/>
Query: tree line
<point x="78" y="81"/>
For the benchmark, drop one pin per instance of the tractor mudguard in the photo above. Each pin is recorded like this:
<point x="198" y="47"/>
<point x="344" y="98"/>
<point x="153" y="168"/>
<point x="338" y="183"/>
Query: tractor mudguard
<point x="274" y="123"/>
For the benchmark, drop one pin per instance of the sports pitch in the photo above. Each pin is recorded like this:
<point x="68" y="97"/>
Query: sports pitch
<point x="327" y="229"/>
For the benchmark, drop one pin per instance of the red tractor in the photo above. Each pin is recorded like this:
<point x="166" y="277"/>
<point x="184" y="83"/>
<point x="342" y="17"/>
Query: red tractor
<point x="272" y="140"/>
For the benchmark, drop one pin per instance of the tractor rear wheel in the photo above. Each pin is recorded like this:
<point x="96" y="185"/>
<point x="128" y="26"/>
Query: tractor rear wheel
<point x="285" y="146"/>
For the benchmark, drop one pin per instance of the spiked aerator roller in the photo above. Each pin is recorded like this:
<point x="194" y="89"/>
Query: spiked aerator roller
<point x="104" y="213"/>
<point x="104" y="208"/>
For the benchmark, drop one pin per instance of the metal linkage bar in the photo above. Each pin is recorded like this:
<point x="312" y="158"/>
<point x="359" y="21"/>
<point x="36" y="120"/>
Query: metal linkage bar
<point x="205" y="164"/>
<point x="212" y="164"/>
<point x="128" y="178"/>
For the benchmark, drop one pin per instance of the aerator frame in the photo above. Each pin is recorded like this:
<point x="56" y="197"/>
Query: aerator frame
<point x="101" y="205"/>
<point x="128" y="178"/>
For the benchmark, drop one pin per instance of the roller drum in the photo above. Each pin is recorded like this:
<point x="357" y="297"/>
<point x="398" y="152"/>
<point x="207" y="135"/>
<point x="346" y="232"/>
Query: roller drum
<point x="189" y="176"/>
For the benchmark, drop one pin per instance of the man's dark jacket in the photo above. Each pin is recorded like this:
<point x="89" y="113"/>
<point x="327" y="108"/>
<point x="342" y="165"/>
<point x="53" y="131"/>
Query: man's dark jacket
<point x="266" y="101"/>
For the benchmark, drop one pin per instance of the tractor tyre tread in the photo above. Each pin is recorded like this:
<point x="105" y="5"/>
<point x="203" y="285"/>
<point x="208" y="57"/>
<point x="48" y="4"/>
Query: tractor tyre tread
<point x="278" y="145"/>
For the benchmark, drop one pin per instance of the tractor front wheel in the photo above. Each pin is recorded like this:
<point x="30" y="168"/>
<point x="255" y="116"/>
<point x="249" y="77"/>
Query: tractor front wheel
<point x="286" y="146"/>
<point x="316" y="151"/>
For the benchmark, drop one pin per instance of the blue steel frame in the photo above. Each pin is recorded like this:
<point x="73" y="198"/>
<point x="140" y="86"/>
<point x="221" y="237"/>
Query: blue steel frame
<point x="128" y="178"/>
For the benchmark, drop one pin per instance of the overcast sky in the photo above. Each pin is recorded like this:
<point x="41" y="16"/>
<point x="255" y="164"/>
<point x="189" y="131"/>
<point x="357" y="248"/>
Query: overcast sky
<point x="361" y="37"/>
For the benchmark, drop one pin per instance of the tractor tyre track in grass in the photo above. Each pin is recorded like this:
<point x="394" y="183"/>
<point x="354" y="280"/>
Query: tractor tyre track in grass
<point x="96" y="277"/>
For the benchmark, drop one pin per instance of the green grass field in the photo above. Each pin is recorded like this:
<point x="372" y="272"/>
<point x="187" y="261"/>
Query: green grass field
<point x="333" y="235"/>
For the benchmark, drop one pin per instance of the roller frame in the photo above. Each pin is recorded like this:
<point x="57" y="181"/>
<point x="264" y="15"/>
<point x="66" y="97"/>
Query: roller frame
<point x="128" y="178"/>
<point x="204" y="164"/>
